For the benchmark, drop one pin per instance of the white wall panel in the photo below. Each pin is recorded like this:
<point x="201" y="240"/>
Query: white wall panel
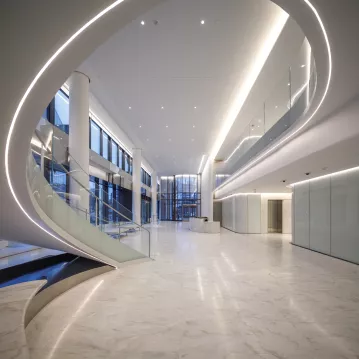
<point x="254" y="213"/>
<point x="241" y="214"/>
<point x="287" y="216"/>
<point x="345" y="216"/>
<point x="301" y="215"/>
<point x="228" y="213"/>
<point x="319" y="209"/>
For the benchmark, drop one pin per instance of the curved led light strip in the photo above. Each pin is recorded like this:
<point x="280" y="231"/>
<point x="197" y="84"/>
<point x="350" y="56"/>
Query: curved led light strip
<point x="353" y="169"/>
<point x="21" y="104"/>
<point x="252" y="193"/>
<point x="237" y="148"/>
<point x="315" y="111"/>
<point x="252" y="74"/>
<point x="201" y="164"/>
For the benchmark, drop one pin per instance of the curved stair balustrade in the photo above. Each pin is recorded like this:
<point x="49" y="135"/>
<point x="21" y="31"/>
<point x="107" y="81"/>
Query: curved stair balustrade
<point x="100" y="229"/>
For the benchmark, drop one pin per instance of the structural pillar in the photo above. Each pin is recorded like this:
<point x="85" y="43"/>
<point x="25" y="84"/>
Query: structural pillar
<point x="42" y="164"/>
<point x="207" y="190"/>
<point x="154" y="197"/>
<point x="136" y="185"/>
<point x="79" y="142"/>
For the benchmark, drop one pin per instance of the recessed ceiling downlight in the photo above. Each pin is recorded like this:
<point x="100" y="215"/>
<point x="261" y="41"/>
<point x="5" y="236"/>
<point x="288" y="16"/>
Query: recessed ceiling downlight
<point x="143" y="23"/>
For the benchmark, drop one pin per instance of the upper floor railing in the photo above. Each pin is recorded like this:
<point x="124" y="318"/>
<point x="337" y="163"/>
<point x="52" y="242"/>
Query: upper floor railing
<point x="289" y="98"/>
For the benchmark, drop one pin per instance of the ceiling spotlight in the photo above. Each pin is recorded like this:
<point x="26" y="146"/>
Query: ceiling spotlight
<point x="143" y="23"/>
<point x="130" y="108"/>
<point x="140" y="126"/>
<point x="276" y="107"/>
<point x="253" y="129"/>
<point x="166" y="126"/>
<point x="194" y="126"/>
<point x="288" y="83"/>
<point x="202" y="22"/>
<point x="303" y="66"/>
<point x="162" y="108"/>
<point x="195" y="107"/>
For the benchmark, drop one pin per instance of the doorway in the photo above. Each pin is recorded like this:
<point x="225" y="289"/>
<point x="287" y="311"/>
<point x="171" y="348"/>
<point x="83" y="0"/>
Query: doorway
<point x="188" y="211"/>
<point x="145" y="211"/>
<point x="275" y="216"/>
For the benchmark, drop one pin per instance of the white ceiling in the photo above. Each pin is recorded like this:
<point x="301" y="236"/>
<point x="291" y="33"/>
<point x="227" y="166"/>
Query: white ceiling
<point x="270" y="92"/>
<point x="179" y="64"/>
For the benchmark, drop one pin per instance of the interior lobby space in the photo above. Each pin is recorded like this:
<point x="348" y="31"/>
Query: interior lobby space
<point x="208" y="296"/>
<point x="179" y="179"/>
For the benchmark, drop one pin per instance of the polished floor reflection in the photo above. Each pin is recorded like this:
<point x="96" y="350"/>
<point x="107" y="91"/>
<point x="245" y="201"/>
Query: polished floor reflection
<point x="208" y="296"/>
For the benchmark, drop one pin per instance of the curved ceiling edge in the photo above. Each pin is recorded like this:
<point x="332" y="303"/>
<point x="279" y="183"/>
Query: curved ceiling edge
<point x="306" y="122"/>
<point x="21" y="104"/>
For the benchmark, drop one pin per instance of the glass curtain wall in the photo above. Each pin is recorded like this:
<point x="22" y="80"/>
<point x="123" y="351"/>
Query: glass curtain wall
<point x="102" y="213"/>
<point x="180" y="197"/>
<point x="145" y="178"/>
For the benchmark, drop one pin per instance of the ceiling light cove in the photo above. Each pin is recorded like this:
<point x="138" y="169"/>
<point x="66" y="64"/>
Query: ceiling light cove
<point x="246" y="86"/>
<point x="239" y="146"/>
<point x="343" y="172"/>
<point x="201" y="165"/>
<point x="329" y="78"/>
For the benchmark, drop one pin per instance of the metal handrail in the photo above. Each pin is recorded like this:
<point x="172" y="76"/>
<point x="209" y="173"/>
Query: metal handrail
<point x="103" y="219"/>
<point x="99" y="199"/>
<point x="72" y="158"/>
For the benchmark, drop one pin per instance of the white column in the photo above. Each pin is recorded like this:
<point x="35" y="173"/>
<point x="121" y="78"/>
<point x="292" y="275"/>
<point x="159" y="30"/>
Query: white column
<point x="207" y="191"/>
<point x="79" y="141"/>
<point x="154" y="196"/>
<point x="42" y="164"/>
<point x="136" y="185"/>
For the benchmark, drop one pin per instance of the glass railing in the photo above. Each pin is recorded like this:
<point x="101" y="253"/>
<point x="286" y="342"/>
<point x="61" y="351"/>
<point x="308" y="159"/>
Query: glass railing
<point x="76" y="208"/>
<point x="59" y="151"/>
<point x="289" y="98"/>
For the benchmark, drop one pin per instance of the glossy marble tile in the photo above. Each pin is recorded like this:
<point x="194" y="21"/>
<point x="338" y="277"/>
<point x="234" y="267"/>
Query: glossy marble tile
<point x="13" y="301"/>
<point x="208" y="296"/>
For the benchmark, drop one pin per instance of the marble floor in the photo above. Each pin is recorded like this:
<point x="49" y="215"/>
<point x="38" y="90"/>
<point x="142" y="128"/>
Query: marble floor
<point x="208" y="296"/>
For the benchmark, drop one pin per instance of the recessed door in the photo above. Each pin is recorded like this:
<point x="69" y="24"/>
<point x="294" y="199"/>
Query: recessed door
<point x="275" y="216"/>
